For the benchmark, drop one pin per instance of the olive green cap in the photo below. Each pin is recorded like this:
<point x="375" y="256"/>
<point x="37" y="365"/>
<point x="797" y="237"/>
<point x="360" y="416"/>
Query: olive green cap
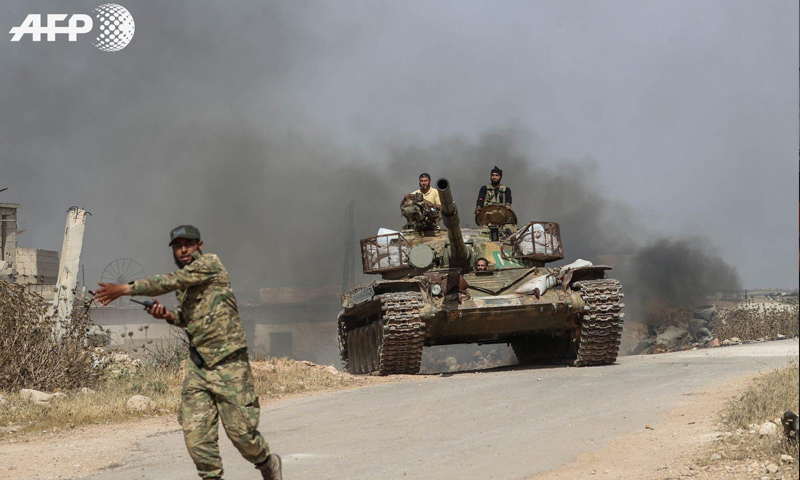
<point x="184" y="231"/>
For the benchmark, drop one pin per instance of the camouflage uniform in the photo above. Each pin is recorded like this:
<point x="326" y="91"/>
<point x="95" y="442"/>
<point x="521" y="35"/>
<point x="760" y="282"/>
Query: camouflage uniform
<point x="223" y="387"/>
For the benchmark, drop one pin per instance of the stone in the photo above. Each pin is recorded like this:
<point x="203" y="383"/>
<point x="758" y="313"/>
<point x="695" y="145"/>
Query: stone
<point x="59" y="395"/>
<point x="767" y="428"/>
<point x="781" y="337"/>
<point x="140" y="403"/>
<point x="735" y="341"/>
<point x="331" y="369"/>
<point x="726" y="342"/>
<point x="715" y="457"/>
<point x="772" y="468"/>
<point x="87" y="391"/>
<point x="672" y="337"/>
<point x="714" y="343"/>
<point x="787" y="459"/>
<point x="35" y="396"/>
<point x="703" y="335"/>
<point x="704" y="312"/>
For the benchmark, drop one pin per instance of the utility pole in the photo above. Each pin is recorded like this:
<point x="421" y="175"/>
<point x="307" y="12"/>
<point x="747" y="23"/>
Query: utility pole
<point x="68" y="266"/>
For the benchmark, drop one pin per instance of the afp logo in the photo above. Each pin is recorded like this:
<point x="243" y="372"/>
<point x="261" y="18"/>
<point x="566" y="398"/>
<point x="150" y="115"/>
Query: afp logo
<point x="115" y="27"/>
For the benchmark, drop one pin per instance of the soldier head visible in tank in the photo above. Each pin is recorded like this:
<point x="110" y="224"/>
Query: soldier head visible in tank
<point x="496" y="175"/>
<point x="482" y="265"/>
<point x="493" y="193"/>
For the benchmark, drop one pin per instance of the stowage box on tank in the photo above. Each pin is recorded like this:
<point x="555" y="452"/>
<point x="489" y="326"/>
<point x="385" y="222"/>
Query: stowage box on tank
<point x="430" y="294"/>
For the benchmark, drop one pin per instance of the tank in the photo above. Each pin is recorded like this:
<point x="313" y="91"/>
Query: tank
<point x="429" y="293"/>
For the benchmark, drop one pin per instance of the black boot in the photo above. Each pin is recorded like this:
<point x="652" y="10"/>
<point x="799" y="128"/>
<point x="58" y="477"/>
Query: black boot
<point x="270" y="468"/>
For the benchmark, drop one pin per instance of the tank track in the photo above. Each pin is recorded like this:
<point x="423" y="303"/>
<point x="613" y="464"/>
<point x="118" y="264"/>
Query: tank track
<point x="403" y="333"/>
<point x="391" y="345"/>
<point x="601" y="322"/>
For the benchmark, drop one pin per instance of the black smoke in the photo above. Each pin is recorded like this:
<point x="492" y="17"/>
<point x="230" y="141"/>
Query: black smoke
<point x="201" y="120"/>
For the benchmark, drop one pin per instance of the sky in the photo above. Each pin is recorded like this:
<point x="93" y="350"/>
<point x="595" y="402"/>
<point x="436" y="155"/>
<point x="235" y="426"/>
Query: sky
<point x="639" y="126"/>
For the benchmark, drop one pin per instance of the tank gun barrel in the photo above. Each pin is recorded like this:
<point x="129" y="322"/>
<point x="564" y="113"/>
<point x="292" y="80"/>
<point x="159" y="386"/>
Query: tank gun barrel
<point x="459" y="255"/>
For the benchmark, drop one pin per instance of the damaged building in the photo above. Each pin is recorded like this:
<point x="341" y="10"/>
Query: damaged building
<point x="35" y="268"/>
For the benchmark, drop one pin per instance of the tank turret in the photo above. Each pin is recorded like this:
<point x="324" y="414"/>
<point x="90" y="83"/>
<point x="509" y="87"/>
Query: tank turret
<point x="459" y="253"/>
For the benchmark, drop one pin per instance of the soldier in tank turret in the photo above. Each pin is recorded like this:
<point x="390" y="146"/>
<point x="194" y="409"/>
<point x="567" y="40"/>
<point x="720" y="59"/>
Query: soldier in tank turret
<point x="493" y="193"/>
<point x="482" y="265"/>
<point x="422" y="207"/>
<point x="430" y="195"/>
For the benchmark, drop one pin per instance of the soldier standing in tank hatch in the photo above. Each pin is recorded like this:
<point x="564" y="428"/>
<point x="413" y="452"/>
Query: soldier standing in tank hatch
<point x="494" y="193"/>
<point x="218" y="382"/>
<point x="430" y="195"/>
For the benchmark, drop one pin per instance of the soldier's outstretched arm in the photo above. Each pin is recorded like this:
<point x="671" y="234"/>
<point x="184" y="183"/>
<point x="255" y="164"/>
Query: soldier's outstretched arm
<point x="108" y="292"/>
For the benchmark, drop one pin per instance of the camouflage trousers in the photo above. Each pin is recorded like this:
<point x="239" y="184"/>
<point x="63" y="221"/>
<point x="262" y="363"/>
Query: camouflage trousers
<point x="226" y="392"/>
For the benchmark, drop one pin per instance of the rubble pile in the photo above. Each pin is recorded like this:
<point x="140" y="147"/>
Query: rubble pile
<point x="706" y="326"/>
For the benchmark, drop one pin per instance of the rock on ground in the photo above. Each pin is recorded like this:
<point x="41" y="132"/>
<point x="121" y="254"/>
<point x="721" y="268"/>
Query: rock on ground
<point x="673" y="337"/>
<point x="35" y="396"/>
<point x="767" y="428"/>
<point x="140" y="403"/>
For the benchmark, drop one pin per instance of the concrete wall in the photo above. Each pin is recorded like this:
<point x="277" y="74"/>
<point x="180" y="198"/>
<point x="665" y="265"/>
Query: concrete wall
<point x="36" y="266"/>
<point x="311" y="328"/>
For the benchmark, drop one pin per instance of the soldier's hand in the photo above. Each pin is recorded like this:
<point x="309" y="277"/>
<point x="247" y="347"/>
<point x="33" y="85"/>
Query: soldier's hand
<point x="158" y="310"/>
<point x="108" y="292"/>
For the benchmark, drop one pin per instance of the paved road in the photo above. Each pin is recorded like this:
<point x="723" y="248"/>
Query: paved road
<point x="498" y="424"/>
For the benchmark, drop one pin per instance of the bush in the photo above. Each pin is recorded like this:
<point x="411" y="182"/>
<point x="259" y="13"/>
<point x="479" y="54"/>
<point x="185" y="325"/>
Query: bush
<point x="38" y="352"/>
<point x="757" y="321"/>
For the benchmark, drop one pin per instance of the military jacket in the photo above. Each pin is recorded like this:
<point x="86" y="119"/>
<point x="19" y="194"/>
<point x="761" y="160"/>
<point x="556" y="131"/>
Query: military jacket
<point x="490" y="195"/>
<point x="207" y="308"/>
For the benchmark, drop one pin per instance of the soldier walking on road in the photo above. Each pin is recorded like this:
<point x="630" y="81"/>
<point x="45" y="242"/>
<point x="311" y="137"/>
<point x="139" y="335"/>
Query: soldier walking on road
<point x="218" y="381"/>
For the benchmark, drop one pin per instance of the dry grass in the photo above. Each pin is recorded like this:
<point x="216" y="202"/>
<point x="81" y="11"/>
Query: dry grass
<point x="274" y="378"/>
<point x="765" y="400"/>
<point x="759" y="321"/>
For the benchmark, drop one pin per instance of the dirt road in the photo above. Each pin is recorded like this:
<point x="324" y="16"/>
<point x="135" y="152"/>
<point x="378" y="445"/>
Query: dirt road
<point x="508" y="423"/>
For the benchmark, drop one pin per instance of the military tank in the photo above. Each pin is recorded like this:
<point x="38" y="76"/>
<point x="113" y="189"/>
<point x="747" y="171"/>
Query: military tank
<point x="430" y="293"/>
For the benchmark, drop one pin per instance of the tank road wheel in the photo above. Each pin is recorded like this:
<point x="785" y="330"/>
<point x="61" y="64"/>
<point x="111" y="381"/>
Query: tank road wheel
<point x="377" y="342"/>
<point x="601" y="322"/>
<point x="363" y="349"/>
<point x="343" y="354"/>
<point x="369" y="347"/>
<point x="352" y="352"/>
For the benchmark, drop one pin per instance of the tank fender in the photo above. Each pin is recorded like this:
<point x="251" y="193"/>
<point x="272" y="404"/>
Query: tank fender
<point x="584" y="273"/>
